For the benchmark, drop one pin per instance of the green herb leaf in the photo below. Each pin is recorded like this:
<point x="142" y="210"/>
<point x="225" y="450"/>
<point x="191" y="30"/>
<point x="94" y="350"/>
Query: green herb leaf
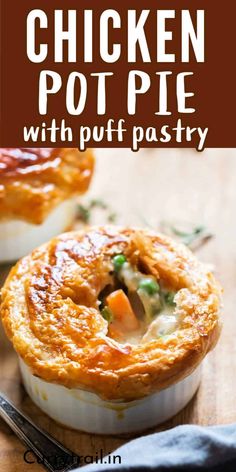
<point x="189" y="234"/>
<point x="112" y="217"/>
<point x="83" y="213"/>
<point x="98" y="203"/>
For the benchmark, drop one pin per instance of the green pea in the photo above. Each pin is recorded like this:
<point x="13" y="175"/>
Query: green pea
<point x="149" y="285"/>
<point x="118" y="262"/>
<point x="107" y="314"/>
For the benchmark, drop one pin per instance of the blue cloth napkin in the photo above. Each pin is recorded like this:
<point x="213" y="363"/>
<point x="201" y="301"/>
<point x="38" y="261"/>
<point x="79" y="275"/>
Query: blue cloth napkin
<point x="184" y="448"/>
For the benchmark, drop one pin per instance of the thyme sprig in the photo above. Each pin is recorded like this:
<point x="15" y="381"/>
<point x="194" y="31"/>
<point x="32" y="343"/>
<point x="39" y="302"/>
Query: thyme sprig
<point x="85" y="211"/>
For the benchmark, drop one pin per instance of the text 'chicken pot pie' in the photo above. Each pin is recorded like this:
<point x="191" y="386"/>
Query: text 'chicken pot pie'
<point x="37" y="187"/>
<point x="111" y="320"/>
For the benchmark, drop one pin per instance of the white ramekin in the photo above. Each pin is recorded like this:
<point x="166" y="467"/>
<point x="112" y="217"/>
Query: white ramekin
<point x="18" y="238"/>
<point x="87" y="412"/>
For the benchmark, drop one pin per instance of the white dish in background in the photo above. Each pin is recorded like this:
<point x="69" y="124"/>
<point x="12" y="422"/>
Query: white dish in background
<point x="18" y="238"/>
<point x="85" y="411"/>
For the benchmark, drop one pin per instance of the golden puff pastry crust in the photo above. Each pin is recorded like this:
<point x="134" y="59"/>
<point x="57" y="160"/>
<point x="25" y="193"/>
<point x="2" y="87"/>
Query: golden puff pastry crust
<point x="34" y="181"/>
<point x="50" y="313"/>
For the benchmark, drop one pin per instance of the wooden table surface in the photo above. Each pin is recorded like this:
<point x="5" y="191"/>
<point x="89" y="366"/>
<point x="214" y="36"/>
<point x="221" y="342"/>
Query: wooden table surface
<point x="146" y="188"/>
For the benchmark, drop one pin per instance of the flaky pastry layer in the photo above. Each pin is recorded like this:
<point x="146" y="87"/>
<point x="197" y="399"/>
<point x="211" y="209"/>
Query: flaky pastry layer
<point x="34" y="181"/>
<point x="50" y="313"/>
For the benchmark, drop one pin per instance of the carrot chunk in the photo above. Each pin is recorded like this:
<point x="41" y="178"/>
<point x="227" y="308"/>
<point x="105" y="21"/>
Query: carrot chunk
<point x="123" y="314"/>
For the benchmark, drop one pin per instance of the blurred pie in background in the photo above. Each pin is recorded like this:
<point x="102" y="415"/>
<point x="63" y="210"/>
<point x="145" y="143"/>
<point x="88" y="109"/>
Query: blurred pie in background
<point x="37" y="195"/>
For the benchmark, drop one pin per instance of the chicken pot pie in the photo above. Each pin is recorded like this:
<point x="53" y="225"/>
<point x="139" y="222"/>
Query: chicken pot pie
<point x="37" y="187"/>
<point x="115" y="317"/>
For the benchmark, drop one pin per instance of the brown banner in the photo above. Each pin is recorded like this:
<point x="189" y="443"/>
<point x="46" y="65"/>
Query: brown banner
<point x="140" y="106"/>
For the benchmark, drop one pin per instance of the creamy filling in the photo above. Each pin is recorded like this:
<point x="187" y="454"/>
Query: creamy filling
<point x="138" y="308"/>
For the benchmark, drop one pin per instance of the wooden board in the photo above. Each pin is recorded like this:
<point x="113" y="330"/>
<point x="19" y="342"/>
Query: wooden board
<point x="148" y="187"/>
